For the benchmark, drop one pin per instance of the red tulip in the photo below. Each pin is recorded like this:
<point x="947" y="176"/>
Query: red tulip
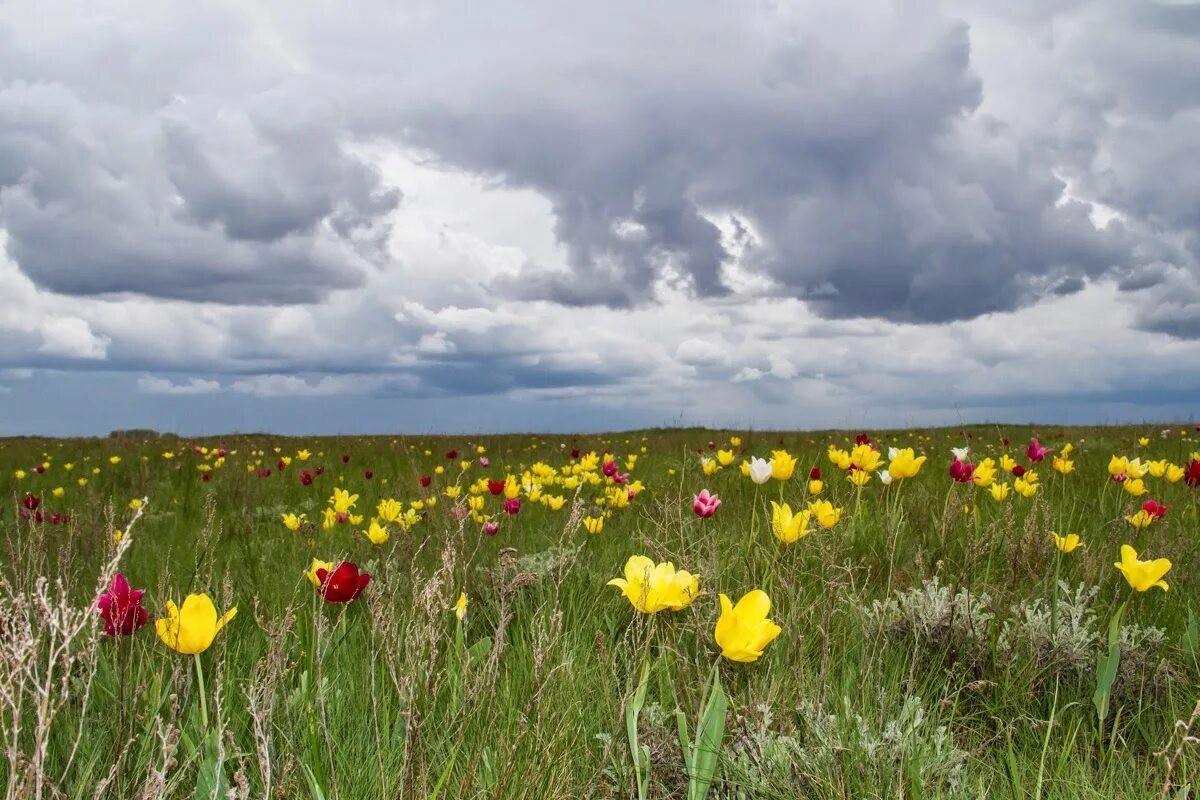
<point x="1157" y="510"/>
<point x="1191" y="474"/>
<point x="451" y="455"/>
<point x="1018" y="471"/>
<point x="345" y="459"/>
<point x="343" y="584"/>
<point x="962" y="472"/>
<point x="814" y="474"/>
<point x="368" y="474"/>
<point x="574" y="452"/>
<point x="862" y="438"/>
<point x="31" y="502"/>
<point x="424" y="480"/>
<point x="121" y="608"/>
<point x="306" y="477"/>
<point x="495" y="487"/>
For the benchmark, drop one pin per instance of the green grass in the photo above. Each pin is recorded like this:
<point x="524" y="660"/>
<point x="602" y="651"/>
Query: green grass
<point x="380" y="697"/>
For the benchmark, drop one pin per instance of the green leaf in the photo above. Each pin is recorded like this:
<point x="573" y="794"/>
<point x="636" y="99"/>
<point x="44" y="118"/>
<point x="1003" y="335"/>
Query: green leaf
<point x="709" y="734"/>
<point x="480" y="649"/>
<point x="640" y="755"/>
<point x="314" y="788"/>
<point x="1106" y="675"/>
<point x="211" y="781"/>
<point x="685" y="744"/>
<point x="1191" y="638"/>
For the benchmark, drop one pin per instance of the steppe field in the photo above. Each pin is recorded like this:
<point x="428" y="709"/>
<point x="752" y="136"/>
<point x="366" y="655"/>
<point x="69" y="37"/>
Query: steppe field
<point x="979" y="612"/>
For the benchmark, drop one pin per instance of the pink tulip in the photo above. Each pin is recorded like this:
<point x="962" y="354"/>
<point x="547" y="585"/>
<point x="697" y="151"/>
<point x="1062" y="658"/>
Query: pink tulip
<point x="705" y="504"/>
<point x="1035" y="452"/>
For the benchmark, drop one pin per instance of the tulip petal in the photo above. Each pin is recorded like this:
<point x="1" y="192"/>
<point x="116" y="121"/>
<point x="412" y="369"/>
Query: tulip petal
<point x="753" y="605"/>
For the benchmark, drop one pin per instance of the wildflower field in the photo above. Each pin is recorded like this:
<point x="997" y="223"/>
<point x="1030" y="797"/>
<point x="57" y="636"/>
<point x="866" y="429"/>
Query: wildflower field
<point x="953" y="613"/>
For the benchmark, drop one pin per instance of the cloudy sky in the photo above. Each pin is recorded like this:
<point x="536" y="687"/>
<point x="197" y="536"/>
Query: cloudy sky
<point x="413" y="217"/>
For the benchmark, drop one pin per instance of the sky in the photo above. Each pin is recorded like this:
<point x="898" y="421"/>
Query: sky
<point x="381" y="217"/>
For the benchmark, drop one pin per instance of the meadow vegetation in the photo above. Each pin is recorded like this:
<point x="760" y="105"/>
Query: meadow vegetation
<point x="937" y="636"/>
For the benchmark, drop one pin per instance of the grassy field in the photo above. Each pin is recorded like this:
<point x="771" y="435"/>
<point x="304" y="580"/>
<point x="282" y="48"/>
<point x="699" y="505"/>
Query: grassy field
<point x="934" y="642"/>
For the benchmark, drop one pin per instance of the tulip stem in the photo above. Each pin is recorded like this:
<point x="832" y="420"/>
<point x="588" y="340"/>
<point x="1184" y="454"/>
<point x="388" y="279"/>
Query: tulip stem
<point x="203" y="701"/>
<point x="1054" y="596"/>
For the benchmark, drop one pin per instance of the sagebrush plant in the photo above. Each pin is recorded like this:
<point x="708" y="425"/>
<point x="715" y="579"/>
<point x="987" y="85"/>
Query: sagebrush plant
<point x="932" y="642"/>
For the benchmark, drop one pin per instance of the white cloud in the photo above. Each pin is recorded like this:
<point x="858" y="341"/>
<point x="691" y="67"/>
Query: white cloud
<point x="151" y="384"/>
<point x="293" y="386"/>
<point x="72" y="337"/>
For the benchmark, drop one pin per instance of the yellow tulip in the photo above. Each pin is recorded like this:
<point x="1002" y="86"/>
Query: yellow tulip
<point x="389" y="510"/>
<point x="293" y="521"/>
<point x="865" y="458"/>
<point x="1062" y="464"/>
<point x="651" y="587"/>
<point x="593" y="525"/>
<point x="1175" y="473"/>
<point x="1066" y="543"/>
<point x="782" y="465"/>
<point x="460" y="608"/>
<point x="376" y="532"/>
<point x="825" y="512"/>
<point x="709" y="466"/>
<point x="1007" y="462"/>
<point x="999" y="491"/>
<point x="317" y="564"/>
<point x="985" y="473"/>
<point x="328" y="519"/>
<point x="1142" y="575"/>
<point x="192" y="628"/>
<point x="1135" y="486"/>
<point x="1140" y="519"/>
<point x="342" y="501"/>
<point x="1025" y="487"/>
<point x="786" y="526"/>
<point x="839" y="457"/>
<point x="724" y="457"/>
<point x="815" y="487"/>
<point x="512" y="489"/>
<point x="554" y="502"/>
<point x="743" y="631"/>
<point x="859" y="477"/>
<point x="905" y="464"/>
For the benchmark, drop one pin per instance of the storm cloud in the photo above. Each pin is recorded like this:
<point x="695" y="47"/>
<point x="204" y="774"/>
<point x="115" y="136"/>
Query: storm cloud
<point x="733" y="210"/>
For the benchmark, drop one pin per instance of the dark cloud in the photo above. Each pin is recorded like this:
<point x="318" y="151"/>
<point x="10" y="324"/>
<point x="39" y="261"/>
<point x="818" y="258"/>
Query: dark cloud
<point x="857" y="153"/>
<point x="233" y="194"/>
